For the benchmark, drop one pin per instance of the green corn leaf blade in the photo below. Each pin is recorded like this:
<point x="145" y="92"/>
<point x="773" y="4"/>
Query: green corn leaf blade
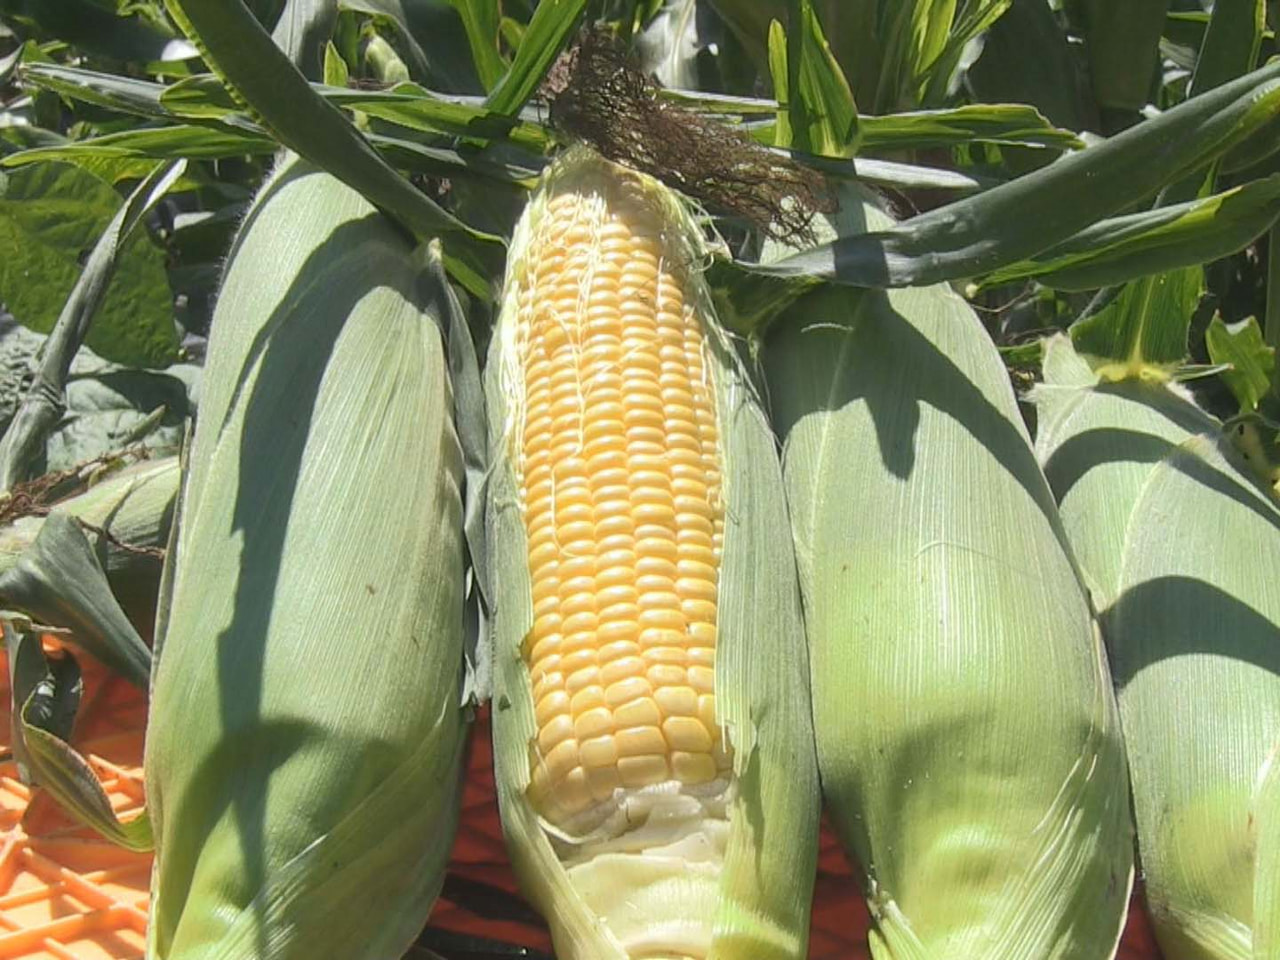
<point x="303" y="32"/>
<point x="124" y="153"/>
<point x="94" y="28"/>
<point x="1230" y="47"/>
<point x="53" y="700"/>
<point x="908" y="477"/>
<point x="482" y="19"/>
<point x="1252" y="360"/>
<point x="126" y="94"/>
<point x="1021" y="218"/>
<point x="1271" y="325"/>
<point x="1026" y="56"/>
<point x="973" y="18"/>
<point x="335" y="73"/>
<point x="822" y="117"/>
<point x="1266" y="896"/>
<point x="411" y="106"/>
<point x="59" y="580"/>
<point x="1198" y="618"/>
<point x="1005" y="123"/>
<point x="406" y="104"/>
<point x="548" y="33"/>
<point x="1229" y="50"/>
<point x="50" y="215"/>
<point x="782" y="135"/>
<point x="43" y="717"/>
<point x="247" y="60"/>
<point x="180" y="141"/>
<point x="1120" y="249"/>
<point x="1123" y="44"/>
<point x="1009" y="124"/>
<point x="1146" y="321"/>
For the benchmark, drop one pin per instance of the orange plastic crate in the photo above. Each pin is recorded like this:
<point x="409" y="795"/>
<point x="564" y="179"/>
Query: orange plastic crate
<point x="67" y="895"/>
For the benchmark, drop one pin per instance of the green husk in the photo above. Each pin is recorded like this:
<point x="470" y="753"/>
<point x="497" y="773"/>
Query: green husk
<point x="1266" y="893"/>
<point x="758" y="908"/>
<point x="968" y="739"/>
<point x="304" y="747"/>
<point x="126" y="518"/>
<point x="1182" y="563"/>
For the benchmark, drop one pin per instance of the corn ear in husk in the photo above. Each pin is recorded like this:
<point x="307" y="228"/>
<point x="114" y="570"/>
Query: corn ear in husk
<point x="1180" y="542"/>
<point x="304" y="746"/>
<point x="723" y="870"/>
<point x="968" y="739"/>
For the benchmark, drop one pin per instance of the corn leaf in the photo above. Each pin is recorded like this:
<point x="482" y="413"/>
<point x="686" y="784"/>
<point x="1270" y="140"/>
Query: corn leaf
<point x="97" y="29"/>
<point x="243" y="55"/>
<point x="46" y="697"/>
<point x="1123" y="43"/>
<point x="972" y="19"/>
<point x="1252" y="360"/>
<point x="1034" y="213"/>
<point x="1003" y="123"/>
<point x="481" y="19"/>
<point x="967" y="738"/>
<point x="178" y="142"/>
<point x="1143" y="322"/>
<point x="1230" y="46"/>
<point x="548" y="33"/>
<point x="59" y="580"/>
<point x="1123" y="248"/>
<point x="1026" y="56"/>
<point x="303" y="30"/>
<point x="821" y="117"/>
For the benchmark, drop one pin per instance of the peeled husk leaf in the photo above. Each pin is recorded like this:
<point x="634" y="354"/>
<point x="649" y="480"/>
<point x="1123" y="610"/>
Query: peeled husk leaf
<point x="126" y="516"/>
<point x="1182" y="562"/>
<point x="306" y="731"/>
<point x="968" y="739"/>
<point x="759" y="908"/>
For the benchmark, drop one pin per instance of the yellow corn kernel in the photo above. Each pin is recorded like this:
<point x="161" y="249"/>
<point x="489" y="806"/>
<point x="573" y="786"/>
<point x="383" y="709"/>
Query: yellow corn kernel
<point x="619" y="473"/>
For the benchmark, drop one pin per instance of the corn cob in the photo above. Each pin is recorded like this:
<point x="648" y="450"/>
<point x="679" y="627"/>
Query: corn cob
<point x="967" y="736"/>
<point x="653" y="741"/>
<point x="304" y="745"/>
<point x="1179" y="542"/>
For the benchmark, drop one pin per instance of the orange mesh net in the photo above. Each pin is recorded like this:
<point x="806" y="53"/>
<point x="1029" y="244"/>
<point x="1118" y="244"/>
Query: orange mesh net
<point x="67" y="895"/>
